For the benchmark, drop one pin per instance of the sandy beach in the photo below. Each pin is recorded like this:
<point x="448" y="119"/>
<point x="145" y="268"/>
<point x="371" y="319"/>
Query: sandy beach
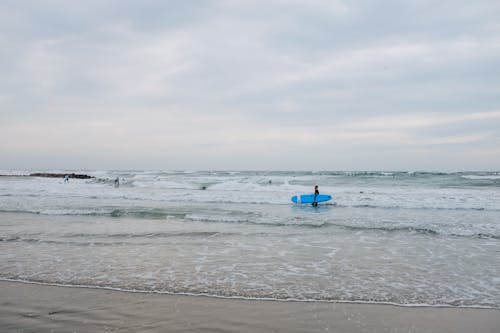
<point x="43" y="308"/>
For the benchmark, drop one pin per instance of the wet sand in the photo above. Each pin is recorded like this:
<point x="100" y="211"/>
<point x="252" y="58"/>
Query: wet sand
<point x="41" y="308"/>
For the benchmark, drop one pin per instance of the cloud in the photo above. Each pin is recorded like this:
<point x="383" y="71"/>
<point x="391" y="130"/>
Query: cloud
<point x="203" y="84"/>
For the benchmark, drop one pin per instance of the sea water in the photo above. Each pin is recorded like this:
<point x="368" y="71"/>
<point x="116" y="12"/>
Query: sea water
<point x="407" y="238"/>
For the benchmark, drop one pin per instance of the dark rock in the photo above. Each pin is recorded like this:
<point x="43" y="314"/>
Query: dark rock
<point x="60" y="175"/>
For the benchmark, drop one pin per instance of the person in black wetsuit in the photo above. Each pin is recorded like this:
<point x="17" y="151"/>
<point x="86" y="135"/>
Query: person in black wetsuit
<point x="316" y="193"/>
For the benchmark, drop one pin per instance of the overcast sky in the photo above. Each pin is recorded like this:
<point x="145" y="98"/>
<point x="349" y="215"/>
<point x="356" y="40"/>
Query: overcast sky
<point x="314" y="85"/>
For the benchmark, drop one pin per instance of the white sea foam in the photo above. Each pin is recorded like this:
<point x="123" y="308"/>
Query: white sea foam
<point x="482" y="177"/>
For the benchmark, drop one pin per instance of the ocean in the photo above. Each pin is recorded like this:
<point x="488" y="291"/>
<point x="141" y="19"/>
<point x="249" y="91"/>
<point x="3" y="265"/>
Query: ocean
<point x="405" y="238"/>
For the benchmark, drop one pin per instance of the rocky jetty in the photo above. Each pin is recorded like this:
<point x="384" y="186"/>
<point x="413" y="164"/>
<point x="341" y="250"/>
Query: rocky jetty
<point x="60" y="175"/>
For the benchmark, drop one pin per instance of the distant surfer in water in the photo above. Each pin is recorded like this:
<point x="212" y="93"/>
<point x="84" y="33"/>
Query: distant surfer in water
<point x="316" y="193"/>
<point x="117" y="182"/>
<point x="66" y="178"/>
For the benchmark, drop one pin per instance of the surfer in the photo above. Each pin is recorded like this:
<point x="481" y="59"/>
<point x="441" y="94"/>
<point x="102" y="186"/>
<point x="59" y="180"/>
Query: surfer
<point x="117" y="182"/>
<point x="66" y="178"/>
<point x="316" y="193"/>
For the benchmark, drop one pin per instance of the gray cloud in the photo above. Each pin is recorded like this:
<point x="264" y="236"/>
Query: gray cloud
<point x="250" y="85"/>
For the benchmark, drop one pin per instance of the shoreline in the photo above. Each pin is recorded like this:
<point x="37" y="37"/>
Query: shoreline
<point x="37" y="307"/>
<point x="243" y="298"/>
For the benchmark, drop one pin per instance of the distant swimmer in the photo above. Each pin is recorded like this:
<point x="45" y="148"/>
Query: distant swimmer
<point x="117" y="182"/>
<point x="316" y="193"/>
<point x="66" y="178"/>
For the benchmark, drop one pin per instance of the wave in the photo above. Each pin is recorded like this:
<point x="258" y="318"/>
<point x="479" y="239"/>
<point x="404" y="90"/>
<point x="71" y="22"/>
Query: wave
<point x="417" y="230"/>
<point x="265" y="297"/>
<point x="426" y="231"/>
<point x="147" y="214"/>
<point x="113" y="239"/>
<point x="135" y="238"/>
<point x="418" y="207"/>
<point x="159" y="214"/>
<point x="162" y="213"/>
<point x="271" y="181"/>
<point x="292" y="222"/>
<point x="482" y="177"/>
<point x="74" y="243"/>
<point x="151" y="234"/>
<point x="140" y="214"/>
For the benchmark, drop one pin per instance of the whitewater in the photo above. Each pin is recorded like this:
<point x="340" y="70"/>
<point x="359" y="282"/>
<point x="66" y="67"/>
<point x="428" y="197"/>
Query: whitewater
<point x="406" y="238"/>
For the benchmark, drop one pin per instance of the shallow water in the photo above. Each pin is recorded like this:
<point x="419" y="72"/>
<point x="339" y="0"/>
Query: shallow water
<point x="396" y="237"/>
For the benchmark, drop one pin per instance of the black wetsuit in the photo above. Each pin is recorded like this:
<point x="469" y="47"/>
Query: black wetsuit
<point x="316" y="193"/>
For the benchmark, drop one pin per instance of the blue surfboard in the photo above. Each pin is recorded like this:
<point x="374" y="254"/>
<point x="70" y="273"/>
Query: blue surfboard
<point x="309" y="198"/>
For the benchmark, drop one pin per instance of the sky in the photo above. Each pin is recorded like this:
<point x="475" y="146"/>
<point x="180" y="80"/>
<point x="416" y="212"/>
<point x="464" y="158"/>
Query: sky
<point x="250" y="85"/>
